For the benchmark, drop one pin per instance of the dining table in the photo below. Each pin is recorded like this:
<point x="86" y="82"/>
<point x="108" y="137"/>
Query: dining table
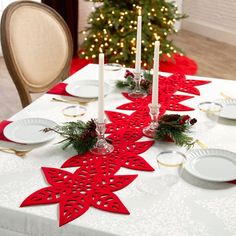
<point x="191" y="206"/>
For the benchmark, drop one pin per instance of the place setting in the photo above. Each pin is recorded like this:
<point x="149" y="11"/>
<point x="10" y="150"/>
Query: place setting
<point x="206" y="168"/>
<point x="224" y="107"/>
<point x="78" y="93"/>
<point x="210" y="166"/>
<point x="22" y="136"/>
<point x="79" y="90"/>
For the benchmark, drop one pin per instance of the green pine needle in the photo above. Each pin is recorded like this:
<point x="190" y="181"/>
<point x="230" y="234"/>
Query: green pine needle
<point x="121" y="84"/>
<point x="129" y="83"/>
<point x="176" y="128"/>
<point x="81" y="136"/>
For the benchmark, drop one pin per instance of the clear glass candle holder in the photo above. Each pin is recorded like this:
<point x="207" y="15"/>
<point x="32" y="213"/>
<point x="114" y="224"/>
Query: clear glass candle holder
<point x="137" y="92"/>
<point x="150" y="130"/>
<point x="102" y="147"/>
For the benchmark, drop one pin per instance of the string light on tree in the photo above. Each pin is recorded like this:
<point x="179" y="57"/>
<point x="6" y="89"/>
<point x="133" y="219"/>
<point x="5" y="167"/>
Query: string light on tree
<point x="113" y="26"/>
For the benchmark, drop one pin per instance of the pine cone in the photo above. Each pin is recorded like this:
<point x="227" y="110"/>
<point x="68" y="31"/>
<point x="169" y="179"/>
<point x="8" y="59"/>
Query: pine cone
<point x="169" y="118"/>
<point x="145" y="84"/>
<point x="91" y="129"/>
<point x="91" y="126"/>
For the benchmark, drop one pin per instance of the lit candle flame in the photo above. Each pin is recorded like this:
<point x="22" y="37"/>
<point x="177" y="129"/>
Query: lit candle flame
<point x="140" y="11"/>
<point x="156" y="36"/>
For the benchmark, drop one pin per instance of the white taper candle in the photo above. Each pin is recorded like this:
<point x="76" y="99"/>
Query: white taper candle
<point x="101" y="89"/>
<point x="155" y="74"/>
<point x="138" y="45"/>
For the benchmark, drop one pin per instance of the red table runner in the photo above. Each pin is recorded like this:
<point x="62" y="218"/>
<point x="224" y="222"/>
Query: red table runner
<point x="95" y="179"/>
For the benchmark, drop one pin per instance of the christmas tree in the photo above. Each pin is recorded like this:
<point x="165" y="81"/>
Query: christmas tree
<point x="113" y="26"/>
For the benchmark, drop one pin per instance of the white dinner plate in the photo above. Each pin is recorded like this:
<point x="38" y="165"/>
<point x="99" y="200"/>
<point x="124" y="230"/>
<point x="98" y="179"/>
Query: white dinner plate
<point x="85" y="88"/>
<point x="112" y="67"/>
<point x="212" y="164"/>
<point x="29" y="131"/>
<point x="228" y="108"/>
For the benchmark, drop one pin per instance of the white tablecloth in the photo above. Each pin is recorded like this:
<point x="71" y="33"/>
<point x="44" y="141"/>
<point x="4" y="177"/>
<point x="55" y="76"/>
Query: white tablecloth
<point x="190" y="207"/>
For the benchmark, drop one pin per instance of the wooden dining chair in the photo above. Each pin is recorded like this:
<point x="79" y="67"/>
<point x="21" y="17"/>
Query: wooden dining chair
<point x="37" y="47"/>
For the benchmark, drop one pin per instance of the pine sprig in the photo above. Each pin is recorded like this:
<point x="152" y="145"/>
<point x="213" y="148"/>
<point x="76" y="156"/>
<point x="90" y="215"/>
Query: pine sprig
<point x="145" y="83"/>
<point x="176" y="128"/>
<point x="128" y="83"/>
<point x="82" y="136"/>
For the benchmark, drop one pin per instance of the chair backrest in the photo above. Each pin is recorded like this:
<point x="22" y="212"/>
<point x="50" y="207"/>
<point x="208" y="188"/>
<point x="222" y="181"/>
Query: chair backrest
<point x="37" y="47"/>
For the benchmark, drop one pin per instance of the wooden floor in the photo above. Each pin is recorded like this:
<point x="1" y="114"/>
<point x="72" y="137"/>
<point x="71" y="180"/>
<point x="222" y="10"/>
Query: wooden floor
<point x="214" y="59"/>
